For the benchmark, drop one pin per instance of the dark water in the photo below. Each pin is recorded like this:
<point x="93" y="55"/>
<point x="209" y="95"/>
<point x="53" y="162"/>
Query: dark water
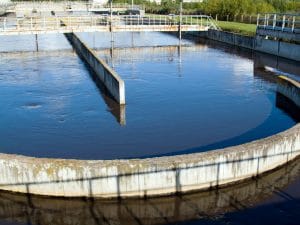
<point x="194" y="98"/>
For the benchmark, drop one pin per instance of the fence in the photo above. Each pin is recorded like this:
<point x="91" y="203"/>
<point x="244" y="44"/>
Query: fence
<point x="241" y="18"/>
<point x="280" y="22"/>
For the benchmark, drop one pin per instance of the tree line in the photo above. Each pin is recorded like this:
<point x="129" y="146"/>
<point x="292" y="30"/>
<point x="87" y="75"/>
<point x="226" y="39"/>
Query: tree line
<point x="222" y="8"/>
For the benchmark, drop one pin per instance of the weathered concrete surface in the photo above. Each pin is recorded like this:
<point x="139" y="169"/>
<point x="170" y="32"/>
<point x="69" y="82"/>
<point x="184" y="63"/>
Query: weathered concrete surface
<point x="231" y="38"/>
<point x="289" y="88"/>
<point x="154" y="211"/>
<point x="111" y="80"/>
<point x="289" y="50"/>
<point x="258" y="43"/>
<point x="269" y="31"/>
<point x="146" y="177"/>
<point x="267" y="46"/>
<point x="278" y="48"/>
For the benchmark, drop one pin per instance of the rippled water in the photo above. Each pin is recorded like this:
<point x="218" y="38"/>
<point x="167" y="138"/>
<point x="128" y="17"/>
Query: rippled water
<point x="194" y="98"/>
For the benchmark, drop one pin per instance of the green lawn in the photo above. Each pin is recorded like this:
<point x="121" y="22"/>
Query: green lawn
<point x="241" y="28"/>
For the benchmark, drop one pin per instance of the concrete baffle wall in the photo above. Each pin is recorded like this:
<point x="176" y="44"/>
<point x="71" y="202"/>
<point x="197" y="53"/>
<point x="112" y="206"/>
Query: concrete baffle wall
<point x="111" y="80"/>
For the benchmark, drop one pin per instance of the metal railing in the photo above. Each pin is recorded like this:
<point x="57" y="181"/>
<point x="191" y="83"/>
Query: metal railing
<point x="280" y="22"/>
<point x="200" y="20"/>
<point x="67" y="23"/>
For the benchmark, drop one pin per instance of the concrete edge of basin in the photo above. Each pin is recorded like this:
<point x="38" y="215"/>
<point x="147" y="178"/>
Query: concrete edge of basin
<point x="289" y="88"/>
<point x="151" y="176"/>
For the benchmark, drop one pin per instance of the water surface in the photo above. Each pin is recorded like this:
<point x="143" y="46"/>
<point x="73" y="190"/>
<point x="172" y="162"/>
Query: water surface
<point x="179" y="100"/>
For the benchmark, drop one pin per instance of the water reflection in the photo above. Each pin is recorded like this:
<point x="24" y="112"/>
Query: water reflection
<point x="117" y="110"/>
<point x="26" y="209"/>
<point x="265" y="66"/>
<point x="288" y="106"/>
<point x="32" y="78"/>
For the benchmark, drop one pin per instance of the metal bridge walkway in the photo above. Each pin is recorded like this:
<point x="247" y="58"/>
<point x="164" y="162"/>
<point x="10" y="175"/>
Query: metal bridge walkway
<point x="92" y="23"/>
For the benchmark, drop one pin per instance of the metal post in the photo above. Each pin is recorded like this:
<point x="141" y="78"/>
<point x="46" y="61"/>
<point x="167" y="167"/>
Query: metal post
<point x="201" y="21"/>
<point x="274" y="21"/>
<point x="293" y="25"/>
<point x="283" y="22"/>
<point x="4" y="24"/>
<point x="180" y="19"/>
<point x="36" y="42"/>
<point x="110" y="15"/>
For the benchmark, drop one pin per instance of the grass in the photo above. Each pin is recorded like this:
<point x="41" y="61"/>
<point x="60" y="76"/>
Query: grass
<point x="235" y="27"/>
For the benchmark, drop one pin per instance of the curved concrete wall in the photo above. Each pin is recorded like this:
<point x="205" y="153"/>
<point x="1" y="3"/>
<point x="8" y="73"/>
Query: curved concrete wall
<point x="144" y="177"/>
<point x="257" y="43"/>
<point x="154" y="211"/>
<point x="289" y="88"/>
<point x="148" y="177"/>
